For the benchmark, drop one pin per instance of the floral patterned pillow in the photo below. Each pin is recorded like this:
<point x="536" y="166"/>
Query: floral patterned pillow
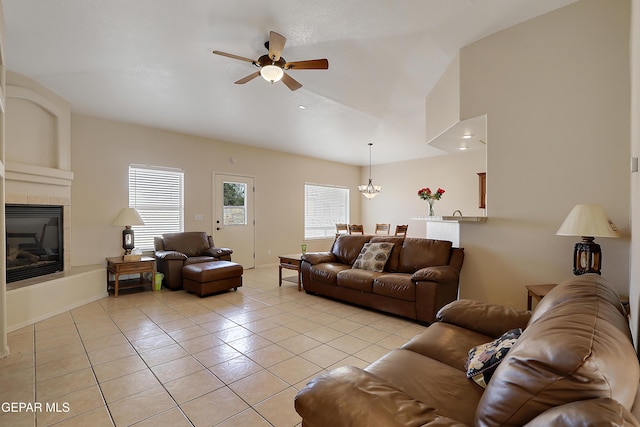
<point x="373" y="256"/>
<point x="485" y="358"/>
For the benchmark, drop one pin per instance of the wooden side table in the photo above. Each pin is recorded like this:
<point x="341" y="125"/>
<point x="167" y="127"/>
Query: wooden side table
<point x="118" y="266"/>
<point x="290" y="262"/>
<point x="538" y="292"/>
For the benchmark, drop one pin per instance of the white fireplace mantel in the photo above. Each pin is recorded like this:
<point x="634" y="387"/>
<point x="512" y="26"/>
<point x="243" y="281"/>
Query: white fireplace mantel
<point x="38" y="175"/>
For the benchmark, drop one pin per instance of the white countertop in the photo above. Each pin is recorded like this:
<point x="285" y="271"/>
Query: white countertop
<point x="451" y="218"/>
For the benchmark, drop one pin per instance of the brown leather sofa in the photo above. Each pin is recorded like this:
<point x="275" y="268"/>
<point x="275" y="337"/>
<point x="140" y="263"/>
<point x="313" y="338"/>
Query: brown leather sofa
<point x="175" y="250"/>
<point x="573" y="365"/>
<point x="420" y="276"/>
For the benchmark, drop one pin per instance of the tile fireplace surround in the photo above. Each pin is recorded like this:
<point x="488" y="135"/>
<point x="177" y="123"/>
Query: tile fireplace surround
<point x="37" y="186"/>
<point x="35" y="299"/>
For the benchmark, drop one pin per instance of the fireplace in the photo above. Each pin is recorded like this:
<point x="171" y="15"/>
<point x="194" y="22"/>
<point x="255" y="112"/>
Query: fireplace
<point x="34" y="241"/>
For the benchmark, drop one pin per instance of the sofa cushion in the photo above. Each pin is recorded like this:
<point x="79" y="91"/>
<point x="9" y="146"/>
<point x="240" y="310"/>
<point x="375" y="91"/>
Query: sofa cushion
<point x="593" y="412"/>
<point x="446" y="343"/>
<point x="570" y="353"/>
<point x="420" y="253"/>
<point x="428" y="381"/>
<point x="485" y="318"/>
<point x="392" y="263"/>
<point x="360" y="280"/>
<point x="485" y="358"/>
<point x="344" y="396"/>
<point x="395" y="285"/>
<point x="373" y="256"/>
<point x="198" y="260"/>
<point x="346" y="248"/>
<point x="190" y="243"/>
<point x="327" y="272"/>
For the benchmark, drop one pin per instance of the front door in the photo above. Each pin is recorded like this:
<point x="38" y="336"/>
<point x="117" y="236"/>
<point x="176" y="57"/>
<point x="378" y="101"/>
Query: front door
<point x="234" y="217"/>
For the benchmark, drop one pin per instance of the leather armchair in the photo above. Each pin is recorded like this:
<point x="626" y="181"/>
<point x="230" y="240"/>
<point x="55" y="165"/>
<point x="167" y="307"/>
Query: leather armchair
<point x="175" y="250"/>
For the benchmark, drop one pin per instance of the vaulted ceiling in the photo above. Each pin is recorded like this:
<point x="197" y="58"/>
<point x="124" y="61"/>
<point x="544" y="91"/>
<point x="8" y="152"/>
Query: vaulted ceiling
<point x="149" y="62"/>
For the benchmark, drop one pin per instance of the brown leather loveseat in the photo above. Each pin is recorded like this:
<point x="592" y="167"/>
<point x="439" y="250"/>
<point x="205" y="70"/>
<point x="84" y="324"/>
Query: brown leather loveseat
<point x="574" y="364"/>
<point x="417" y="278"/>
<point x="175" y="250"/>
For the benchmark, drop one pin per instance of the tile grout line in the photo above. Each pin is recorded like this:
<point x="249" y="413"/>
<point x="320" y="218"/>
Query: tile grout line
<point x="93" y="372"/>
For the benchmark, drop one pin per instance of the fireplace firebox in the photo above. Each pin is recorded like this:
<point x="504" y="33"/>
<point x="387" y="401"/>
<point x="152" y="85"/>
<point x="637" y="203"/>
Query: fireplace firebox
<point x="34" y="241"/>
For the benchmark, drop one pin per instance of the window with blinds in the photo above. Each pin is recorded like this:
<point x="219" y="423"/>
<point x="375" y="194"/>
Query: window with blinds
<point x="158" y="196"/>
<point x="324" y="207"/>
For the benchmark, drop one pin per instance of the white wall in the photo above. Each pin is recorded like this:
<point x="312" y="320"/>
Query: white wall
<point x="102" y="151"/>
<point x="556" y="92"/>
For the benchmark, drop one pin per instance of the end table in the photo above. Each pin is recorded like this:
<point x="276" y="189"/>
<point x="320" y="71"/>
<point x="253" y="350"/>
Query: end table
<point x="118" y="266"/>
<point x="290" y="262"/>
<point x="538" y="292"/>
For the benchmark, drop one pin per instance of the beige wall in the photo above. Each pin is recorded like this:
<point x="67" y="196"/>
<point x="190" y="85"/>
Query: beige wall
<point x="635" y="177"/>
<point x="102" y="151"/>
<point x="558" y="134"/>
<point x="398" y="201"/>
<point x="556" y="91"/>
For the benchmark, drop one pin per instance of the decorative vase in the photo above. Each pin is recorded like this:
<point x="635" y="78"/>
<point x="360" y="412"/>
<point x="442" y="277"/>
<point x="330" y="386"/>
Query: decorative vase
<point x="431" y="202"/>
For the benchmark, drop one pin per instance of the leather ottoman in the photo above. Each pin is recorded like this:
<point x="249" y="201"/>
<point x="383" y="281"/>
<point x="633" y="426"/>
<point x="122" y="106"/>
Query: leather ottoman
<point x="210" y="277"/>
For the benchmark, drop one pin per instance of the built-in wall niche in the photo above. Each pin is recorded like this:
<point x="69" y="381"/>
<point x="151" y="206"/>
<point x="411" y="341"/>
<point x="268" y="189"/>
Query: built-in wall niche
<point x="34" y="236"/>
<point x="467" y="136"/>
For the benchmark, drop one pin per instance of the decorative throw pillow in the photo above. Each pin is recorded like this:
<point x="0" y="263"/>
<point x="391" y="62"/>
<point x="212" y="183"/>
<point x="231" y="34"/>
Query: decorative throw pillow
<point x="485" y="358"/>
<point x="373" y="256"/>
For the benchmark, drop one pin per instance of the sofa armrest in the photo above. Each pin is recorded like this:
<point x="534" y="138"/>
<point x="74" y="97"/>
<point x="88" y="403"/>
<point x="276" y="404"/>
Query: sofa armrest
<point x="167" y="255"/>
<point x="600" y="411"/>
<point x="350" y="396"/>
<point x="488" y="319"/>
<point x="314" y="258"/>
<point x="440" y="273"/>
<point x="218" y="252"/>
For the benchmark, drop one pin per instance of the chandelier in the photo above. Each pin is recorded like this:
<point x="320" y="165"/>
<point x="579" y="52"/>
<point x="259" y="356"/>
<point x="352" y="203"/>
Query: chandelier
<point x="369" y="190"/>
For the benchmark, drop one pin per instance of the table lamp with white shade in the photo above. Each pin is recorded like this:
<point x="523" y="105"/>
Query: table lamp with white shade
<point x="587" y="221"/>
<point x="128" y="217"/>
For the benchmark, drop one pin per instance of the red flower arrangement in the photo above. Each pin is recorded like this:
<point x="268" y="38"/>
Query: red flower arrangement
<point x="427" y="194"/>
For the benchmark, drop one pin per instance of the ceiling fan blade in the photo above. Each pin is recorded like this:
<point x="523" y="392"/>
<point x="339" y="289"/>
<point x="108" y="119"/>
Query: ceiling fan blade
<point x="248" y="78"/>
<point x="312" y="64"/>
<point x="231" y="55"/>
<point x="276" y="44"/>
<point x="291" y="83"/>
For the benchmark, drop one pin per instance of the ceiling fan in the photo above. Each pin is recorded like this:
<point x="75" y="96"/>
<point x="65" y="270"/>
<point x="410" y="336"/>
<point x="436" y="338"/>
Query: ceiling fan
<point x="273" y="66"/>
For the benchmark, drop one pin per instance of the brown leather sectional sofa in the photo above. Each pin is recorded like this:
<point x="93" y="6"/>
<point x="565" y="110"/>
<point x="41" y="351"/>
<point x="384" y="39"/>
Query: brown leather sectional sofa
<point x="419" y="277"/>
<point x="573" y="365"/>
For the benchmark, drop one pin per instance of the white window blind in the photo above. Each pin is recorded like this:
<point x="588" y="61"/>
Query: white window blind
<point x="324" y="207"/>
<point x="158" y="196"/>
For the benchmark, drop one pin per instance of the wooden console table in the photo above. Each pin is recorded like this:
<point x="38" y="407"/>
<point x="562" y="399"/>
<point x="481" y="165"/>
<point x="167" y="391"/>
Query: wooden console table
<point x="118" y="266"/>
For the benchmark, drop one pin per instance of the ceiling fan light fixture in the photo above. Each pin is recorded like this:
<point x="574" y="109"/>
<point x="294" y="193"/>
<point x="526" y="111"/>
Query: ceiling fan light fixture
<point x="271" y="73"/>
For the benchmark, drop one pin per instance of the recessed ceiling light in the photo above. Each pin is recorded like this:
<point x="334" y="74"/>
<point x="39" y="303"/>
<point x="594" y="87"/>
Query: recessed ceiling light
<point x="463" y="147"/>
<point x="467" y="136"/>
<point x="302" y="107"/>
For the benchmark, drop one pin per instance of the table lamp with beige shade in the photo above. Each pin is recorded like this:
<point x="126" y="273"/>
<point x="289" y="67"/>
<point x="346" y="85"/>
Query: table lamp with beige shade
<point x="587" y="221"/>
<point x="128" y="217"/>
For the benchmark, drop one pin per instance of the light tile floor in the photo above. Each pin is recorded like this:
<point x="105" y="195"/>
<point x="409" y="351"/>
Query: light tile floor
<point x="174" y="359"/>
